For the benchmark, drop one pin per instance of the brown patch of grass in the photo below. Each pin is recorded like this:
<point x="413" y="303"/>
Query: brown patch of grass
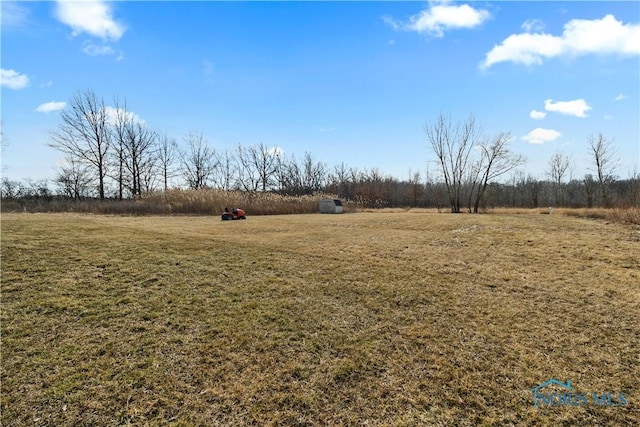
<point x="629" y="215"/>
<point x="315" y="319"/>
<point x="516" y="211"/>
<point x="396" y="210"/>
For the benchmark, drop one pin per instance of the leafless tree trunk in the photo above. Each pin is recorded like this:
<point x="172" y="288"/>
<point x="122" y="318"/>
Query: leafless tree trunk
<point x="558" y="166"/>
<point x="590" y="187"/>
<point x="84" y="134"/>
<point x="265" y="161"/>
<point x="605" y="162"/>
<point x="452" y="145"/>
<point x="416" y="188"/>
<point x="247" y="175"/>
<point x="257" y="167"/>
<point x="224" y="173"/>
<point x="289" y="176"/>
<point x="148" y="173"/>
<point x="496" y="160"/>
<point x="120" y="123"/>
<point x="74" y="178"/>
<point x="140" y="156"/>
<point x="338" y="181"/>
<point x="314" y="174"/>
<point x="166" y="154"/>
<point x="198" y="161"/>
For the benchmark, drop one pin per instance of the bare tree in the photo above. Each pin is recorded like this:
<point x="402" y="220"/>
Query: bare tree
<point x="74" y="178"/>
<point x="84" y="134"/>
<point x="257" y="167"/>
<point x="134" y="151"/>
<point x="247" y="177"/>
<point x="8" y="188"/>
<point x="589" y="186"/>
<point x="605" y="162"/>
<point x="166" y="153"/>
<point x="314" y="174"/>
<point x="120" y="122"/>
<point x="452" y="145"/>
<point x="141" y="157"/>
<point x="304" y="178"/>
<point x="289" y="176"/>
<point x="558" y="167"/>
<point x="265" y="162"/>
<point x="339" y="182"/>
<point x="224" y="173"/>
<point x="198" y="161"/>
<point x="496" y="159"/>
<point x="416" y="188"/>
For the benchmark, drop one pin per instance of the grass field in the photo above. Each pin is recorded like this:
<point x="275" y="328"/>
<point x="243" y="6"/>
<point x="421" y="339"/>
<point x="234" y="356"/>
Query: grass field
<point x="358" y="319"/>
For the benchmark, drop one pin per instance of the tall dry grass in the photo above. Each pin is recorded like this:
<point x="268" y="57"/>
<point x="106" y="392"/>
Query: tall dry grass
<point x="628" y="215"/>
<point x="178" y="202"/>
<point x="208" y="201"/>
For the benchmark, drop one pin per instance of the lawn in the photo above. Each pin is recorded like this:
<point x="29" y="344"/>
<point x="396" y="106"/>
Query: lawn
<point x="320" y="320"/>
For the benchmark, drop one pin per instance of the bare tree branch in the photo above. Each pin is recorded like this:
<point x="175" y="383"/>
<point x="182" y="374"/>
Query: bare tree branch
<point x="84" y="134"/>
<point x="605" y="162"/>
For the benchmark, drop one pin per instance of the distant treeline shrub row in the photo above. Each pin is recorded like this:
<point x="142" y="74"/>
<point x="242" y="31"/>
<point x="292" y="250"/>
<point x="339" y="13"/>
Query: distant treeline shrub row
<point x="173" y="202"/>
<point x="114" y="163"/>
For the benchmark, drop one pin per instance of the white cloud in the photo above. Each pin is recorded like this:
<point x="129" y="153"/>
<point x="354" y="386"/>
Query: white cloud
<point x="540" y="136"/>
<point x="532" y="26"/>
<point x="93" y="17"/>
<point x="96" y="50"/>
<point x="112" y="114"/>
<point x="48" y="107"/>
<point x="326" y="129"/>
<point x="607" y="117"/>
<point x="392" y="22"/>
<point x="538" y="115"/>
<point x="527" y="49"/>
<point x="13" y="14"/>
<point x="13" y="80"/>
<point x="579" y="37"/>
<point x="440" y="17"/>
<point x="620" y="97"/>
<point x="577" y="108"/>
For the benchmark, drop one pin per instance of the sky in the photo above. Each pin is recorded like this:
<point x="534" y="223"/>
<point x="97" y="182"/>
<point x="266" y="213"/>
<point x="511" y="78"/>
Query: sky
<point x="353" y="82"/>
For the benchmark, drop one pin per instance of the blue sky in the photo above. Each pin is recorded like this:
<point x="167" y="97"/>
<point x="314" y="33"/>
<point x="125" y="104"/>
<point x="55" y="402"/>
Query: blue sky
<point x="351" y="82"/>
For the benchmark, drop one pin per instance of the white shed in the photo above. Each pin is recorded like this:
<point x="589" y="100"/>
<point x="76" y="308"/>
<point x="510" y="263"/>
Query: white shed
<point x="333" y="206"/>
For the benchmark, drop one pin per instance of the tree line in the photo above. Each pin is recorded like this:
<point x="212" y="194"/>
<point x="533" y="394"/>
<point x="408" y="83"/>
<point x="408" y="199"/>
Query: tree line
<point x="110" y="153"/>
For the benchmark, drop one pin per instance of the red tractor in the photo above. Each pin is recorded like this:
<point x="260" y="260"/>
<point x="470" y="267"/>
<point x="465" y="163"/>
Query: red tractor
<point x="235" y="213"/>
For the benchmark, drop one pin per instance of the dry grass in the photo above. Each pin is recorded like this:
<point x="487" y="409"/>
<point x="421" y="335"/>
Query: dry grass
<point x="213" y="200"/>
<point x="397" y="210"/>
<point x="179" y="202"/>
<point x="629" y="215"/>
<point x="318" y="320"/>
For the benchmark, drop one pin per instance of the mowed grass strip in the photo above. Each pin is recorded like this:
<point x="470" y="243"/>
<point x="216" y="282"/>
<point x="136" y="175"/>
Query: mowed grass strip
<point x="358" y="319"/>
